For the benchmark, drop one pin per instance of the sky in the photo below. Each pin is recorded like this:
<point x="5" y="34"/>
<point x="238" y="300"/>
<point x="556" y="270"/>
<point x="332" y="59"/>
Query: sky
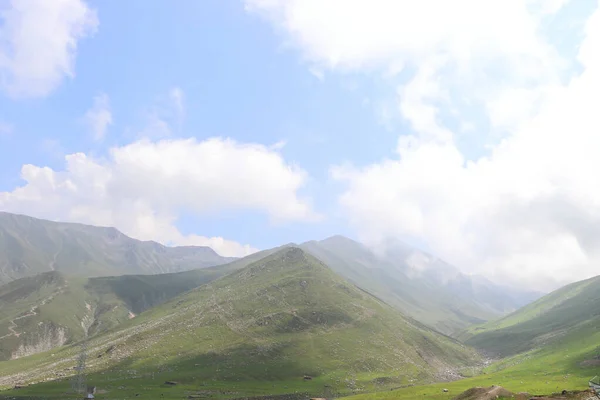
<point x="470" y="129"/>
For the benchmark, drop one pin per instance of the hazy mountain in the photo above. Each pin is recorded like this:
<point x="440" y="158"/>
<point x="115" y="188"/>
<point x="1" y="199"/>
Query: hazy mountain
<point x="29" y="246"/>
<point x="425" y="287"/>
<point x="277" y="320"/>
<point x="567" y="316"/>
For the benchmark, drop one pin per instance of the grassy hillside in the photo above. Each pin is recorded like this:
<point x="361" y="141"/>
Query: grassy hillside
<point x="565" y="364"/>
<point x="29" y="246"/>
<point x="436" y="293"/>
<point x="545" y="322"/>
<point x="46" y="311"/>
<point x="261" y="330"/>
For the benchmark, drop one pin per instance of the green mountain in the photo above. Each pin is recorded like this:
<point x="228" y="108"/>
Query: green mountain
<point x="546" y="347"/>
<point x="262" y="328"/>
<point x="419" y="284"/>
<point x="569" y="313"/>
<point x="29" y="246"/>
<point x="49" y="310"/>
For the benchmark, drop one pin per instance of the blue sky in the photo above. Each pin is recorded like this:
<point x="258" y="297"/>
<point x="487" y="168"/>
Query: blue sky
<point x="238" y="82"/>
<point x="309" y="118"/>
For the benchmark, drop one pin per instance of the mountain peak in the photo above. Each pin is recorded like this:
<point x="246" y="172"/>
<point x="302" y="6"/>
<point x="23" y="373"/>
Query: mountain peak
<point x="30" y="246"/>
<point x="340" y="239"/>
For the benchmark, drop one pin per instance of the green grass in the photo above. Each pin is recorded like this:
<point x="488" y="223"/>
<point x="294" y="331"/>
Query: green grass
<point x="260" y="330"/>
<point x="544" y="371"/>
<point x="548" y="363"/>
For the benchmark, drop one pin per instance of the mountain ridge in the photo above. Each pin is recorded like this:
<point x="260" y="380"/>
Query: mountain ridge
<point x="448" y="305"/>
<point x="31" y="245"/>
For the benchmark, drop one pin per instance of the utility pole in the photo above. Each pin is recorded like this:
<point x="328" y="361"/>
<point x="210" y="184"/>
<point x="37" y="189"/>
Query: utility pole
<point x="78" y="381"/>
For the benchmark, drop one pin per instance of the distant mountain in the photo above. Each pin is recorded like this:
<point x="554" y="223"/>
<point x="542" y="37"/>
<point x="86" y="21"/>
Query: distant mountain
<point x="420" y="285"/>
<point x="568" y="317"/>
<point x="29" y="246"/>
<point x="49" y="310"/>
<point x="284" y="318"/>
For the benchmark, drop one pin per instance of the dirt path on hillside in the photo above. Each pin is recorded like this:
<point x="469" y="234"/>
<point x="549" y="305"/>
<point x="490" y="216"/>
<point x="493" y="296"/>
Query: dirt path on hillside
<point x="32" y="312"/>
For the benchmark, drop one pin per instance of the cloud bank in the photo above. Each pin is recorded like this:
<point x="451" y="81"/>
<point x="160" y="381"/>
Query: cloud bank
<point x="497" y="173"/>
<point x="144" y="187"/>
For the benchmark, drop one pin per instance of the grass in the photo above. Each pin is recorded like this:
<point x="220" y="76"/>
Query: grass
<point x="565" y="361"/>
<point x="261" y="329"/>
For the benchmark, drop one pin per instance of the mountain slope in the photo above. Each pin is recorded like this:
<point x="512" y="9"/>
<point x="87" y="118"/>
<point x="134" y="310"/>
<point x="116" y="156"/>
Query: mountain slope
<point x="280" y="318"/>
<point x="29" y="246"/>
<point x="561" y="314"/>
<point x="418" y="284"/>
<point x="49" y="310"/>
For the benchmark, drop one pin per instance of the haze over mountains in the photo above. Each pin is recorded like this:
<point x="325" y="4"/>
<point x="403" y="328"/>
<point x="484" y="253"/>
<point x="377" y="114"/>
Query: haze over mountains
<point x="419" y="284"/>
<point x="329" y="309"/>
<point x="416" y="283"/>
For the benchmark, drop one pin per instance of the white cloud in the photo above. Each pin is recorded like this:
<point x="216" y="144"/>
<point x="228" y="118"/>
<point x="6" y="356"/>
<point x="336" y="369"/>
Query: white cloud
<point x="142" y="188"/>
<point x="529" y="211"/>
<point x="452" y="49"/>
<point x="99" y="117"/>
<point x="38" y="43"/>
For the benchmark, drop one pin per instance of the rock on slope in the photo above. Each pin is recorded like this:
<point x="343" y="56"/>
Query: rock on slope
<point x="489" y="393"/>
<point x="498" y="392"/>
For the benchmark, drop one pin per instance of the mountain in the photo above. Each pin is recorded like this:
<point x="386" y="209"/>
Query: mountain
<point x="49" y="310"/>
<point x="264" y="327"/>
<point x="419" y="284"/>
<point x="29" y="246"/>
<point x="569" y="313"/>
<point x="549" y="346"/>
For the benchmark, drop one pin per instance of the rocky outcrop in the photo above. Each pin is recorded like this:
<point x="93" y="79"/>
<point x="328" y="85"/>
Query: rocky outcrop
<point x="47" y="337"/>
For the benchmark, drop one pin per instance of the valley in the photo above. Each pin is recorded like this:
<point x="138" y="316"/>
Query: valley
<point x="324" y="318"/>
